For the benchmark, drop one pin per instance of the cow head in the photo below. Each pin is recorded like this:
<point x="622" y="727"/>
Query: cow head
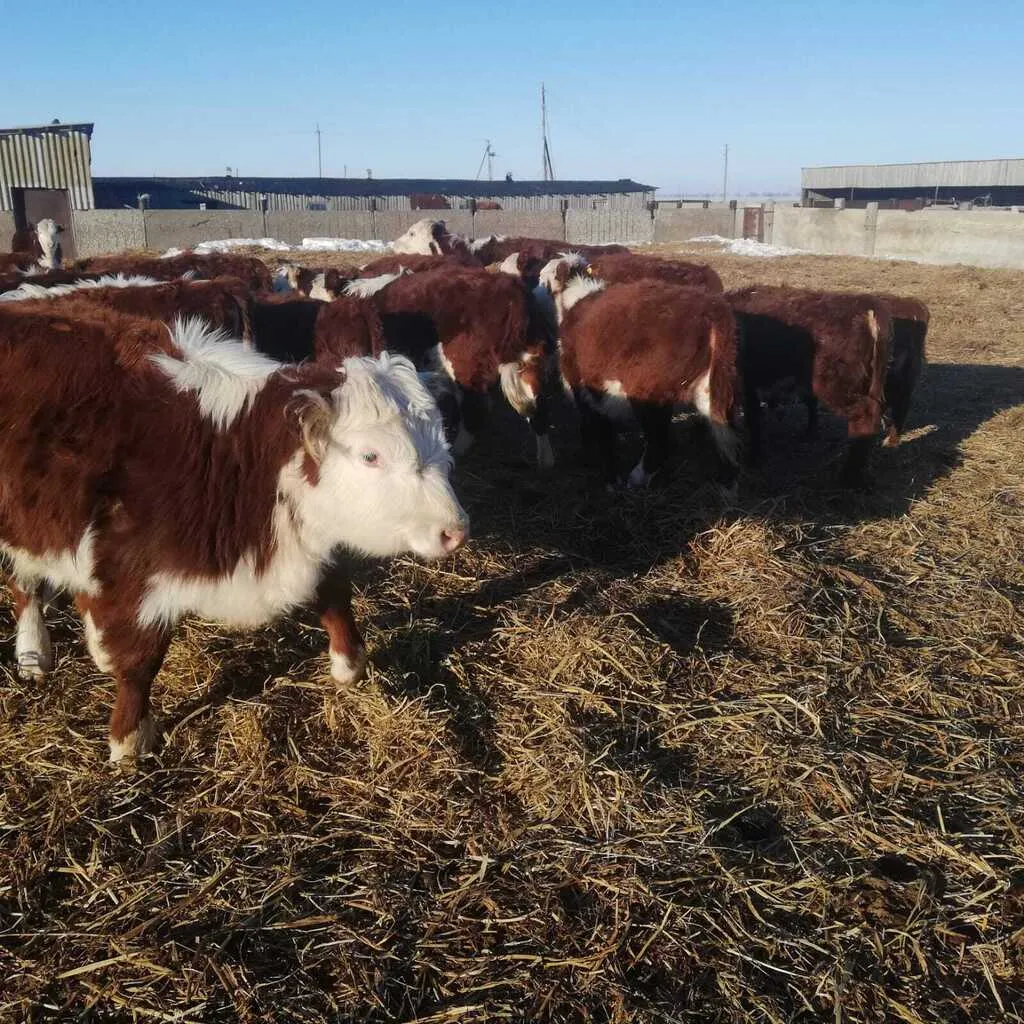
<point x="423" y="238"/>
<point x="286" y="278"/>
<point x="48" y="232"/>
<point x="382" y="483"/>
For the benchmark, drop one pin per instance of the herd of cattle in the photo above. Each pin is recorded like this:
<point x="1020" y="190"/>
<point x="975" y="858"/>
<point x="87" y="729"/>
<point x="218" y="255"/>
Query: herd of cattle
<point x="200" y="435"/>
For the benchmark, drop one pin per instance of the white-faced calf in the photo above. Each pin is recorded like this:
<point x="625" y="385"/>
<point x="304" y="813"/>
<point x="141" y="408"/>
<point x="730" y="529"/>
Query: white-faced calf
<point x="157" y="474"/>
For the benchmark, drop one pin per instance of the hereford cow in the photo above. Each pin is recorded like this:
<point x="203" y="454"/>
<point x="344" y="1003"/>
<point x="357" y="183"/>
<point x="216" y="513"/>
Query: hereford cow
<point x="39" y="245"/>
<point x="498" y="248"/>
<point x="292" y="329"/>
<point x="223" y="303"/>
<point x="321" y="283"/>
<point x="620" y="268"/>
<point x="834" y="347"/>
<point x="254" y="272"/>
<point x="430" y="238"/>
<point x="490" y="333"/>
<point x="161" y="473"/>
<point x="413" y="264"/>
<point x="633" y="352"/>
<point x="45" y="279"/>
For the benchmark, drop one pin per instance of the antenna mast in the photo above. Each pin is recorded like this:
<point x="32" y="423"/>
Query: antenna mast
<point x="319" y="154"/>
<point x="549" y="171"/>
<point x="488" y="156"/>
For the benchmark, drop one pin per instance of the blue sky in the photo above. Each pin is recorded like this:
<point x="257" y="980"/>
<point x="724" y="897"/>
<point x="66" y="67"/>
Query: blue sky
<point x="645" y="90"/>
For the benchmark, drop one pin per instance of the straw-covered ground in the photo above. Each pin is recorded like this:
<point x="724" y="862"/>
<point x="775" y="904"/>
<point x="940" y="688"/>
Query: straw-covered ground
<point x="631" y="758"/>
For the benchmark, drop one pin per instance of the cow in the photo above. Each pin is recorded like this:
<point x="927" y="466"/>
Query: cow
<point x="431" y="238"/>
<point x="630" y="353"/>
<point x="833" y="346"/>
<point x="321" y="283"/>
<point x="413" y="263"/>
<point x="620" y="268"/>
<point x="254" y="272"/>
<point x="223" y="303"/>
<point x="45" y="279"/>
<point x="498" y="248"/>
<point x="490" y="333"/>
<point x="161" y="473"/>
<point x="38" y="245"/>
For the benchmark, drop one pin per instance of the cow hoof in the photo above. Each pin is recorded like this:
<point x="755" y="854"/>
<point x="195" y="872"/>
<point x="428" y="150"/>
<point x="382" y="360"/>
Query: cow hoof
<point x="348" y="670"/>
<point x="638" y="477"/>
<point x="138" y="742"/>
<point x="34" y="666"/>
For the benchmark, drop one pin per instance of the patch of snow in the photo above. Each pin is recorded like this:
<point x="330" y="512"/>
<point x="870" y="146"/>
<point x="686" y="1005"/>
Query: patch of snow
<point x="343" y="245"/>
<point x="307" y="245"/>
<point x="749" y="246"/>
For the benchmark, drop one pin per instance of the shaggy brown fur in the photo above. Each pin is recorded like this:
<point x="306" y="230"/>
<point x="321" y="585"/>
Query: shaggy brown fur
<point x="650" y="344"/>
<point x="254" y="272"/>
<point x="414" y="263"/>
<point x="620" y="268"/>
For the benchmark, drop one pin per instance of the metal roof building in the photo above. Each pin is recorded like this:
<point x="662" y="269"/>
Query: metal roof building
<point x="53" y="158"/>
<point x="366" y="193"/>
<point x="984" y="182"/>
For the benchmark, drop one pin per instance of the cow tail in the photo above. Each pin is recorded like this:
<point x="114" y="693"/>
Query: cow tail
<point x="722" y="384"/>
<point x="879" y="324"/>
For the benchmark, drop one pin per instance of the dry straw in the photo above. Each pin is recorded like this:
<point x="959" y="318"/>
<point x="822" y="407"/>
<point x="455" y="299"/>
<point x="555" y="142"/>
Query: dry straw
<point x="631" y="759"/>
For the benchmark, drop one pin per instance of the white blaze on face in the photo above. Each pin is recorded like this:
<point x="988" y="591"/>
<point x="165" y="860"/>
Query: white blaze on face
<point x="48" y="232"/>
<point x="383" y="487"/>
<point x="285" y="278"/>
<point x="510" y="265"/>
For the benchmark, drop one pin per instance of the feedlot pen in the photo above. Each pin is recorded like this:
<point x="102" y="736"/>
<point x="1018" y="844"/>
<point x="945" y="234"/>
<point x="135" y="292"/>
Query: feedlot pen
<point x="630" y="758"/>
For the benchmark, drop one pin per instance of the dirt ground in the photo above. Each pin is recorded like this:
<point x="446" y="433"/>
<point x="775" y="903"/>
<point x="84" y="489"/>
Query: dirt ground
<point x="624" y="758"/>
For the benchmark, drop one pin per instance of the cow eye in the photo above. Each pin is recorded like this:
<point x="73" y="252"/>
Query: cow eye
<point x="371" y="458"/>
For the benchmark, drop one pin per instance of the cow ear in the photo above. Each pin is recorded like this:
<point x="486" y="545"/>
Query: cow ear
<point x="316" y="411"/>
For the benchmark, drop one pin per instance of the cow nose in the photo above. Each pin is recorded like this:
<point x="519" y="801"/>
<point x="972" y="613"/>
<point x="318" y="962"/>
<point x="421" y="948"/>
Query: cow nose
<point x="452" y="540"/>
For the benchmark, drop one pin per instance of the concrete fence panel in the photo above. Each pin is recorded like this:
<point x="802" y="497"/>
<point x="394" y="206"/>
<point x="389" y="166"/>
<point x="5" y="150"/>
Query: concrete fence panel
<point x="107" y="231"/>
<point x="983" y="238"/>
<point x="6" y="230"/>
<point x="600" y="227"/>
<point x="293" y="226"/>
<point x="679" y="225"/>
<point x="167" y="228"/>
<point x="539" y="224"/>
<point x="842" y="232"/>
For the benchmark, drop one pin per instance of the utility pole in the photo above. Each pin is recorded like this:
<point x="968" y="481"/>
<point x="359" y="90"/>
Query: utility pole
<point x="549" y="171"/>
<point x="725" y="174"/>
<point x="319" y="154"/>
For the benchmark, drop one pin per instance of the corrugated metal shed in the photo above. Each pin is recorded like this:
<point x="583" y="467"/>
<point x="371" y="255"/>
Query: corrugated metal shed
<point x="47" y="156"/>
<point x="361" y="193"/>
<point x="937" y="174"/>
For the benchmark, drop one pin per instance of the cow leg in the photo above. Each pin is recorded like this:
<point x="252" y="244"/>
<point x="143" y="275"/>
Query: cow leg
<point x="132" y="654"/>
<point x="598" y="434"/>
<point x="752" y="418"/>
<point x="656" y="423"/>
<point x="858" y="454"/>
<point x="540" y="423"/>
<point x="811" y="404"/>
<point x="474" y="410"/>
<point x="334" y="606"/>
<point x="899" y="387"/>
<point x="32" y="648"/>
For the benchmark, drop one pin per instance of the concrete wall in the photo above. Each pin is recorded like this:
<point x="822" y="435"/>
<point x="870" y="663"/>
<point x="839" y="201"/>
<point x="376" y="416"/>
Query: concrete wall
<point x="167" y="228"/>
<point x="842" y="232"/>
<point x="539" y="224"/>
<point x="984" y="238"/>
<point x="6" y="230"/>
<point x="678" y="225"/>
<point x="102" y="231"/>
<point x="597" y="227"/>
<point x="294" y="226"/>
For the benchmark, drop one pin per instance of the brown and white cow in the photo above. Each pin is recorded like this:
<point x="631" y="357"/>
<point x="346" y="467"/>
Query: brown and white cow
<point x="490" y="332"/>
<point x="161" y="473"/>
<point x="833" y="347"/>
<point x="223" y="303"/>
<point x="413" y="264"/>
<point x="431" y="238"/>
<point x="321" y="283"/>
<point x="621" y="268"/>
<point x="254" y="272"/>
<point x="35" y="246"/>
<point x="630" y="353"/>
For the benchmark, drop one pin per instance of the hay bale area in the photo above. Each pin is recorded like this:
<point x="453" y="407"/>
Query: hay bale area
<point x="640" y="758"/>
